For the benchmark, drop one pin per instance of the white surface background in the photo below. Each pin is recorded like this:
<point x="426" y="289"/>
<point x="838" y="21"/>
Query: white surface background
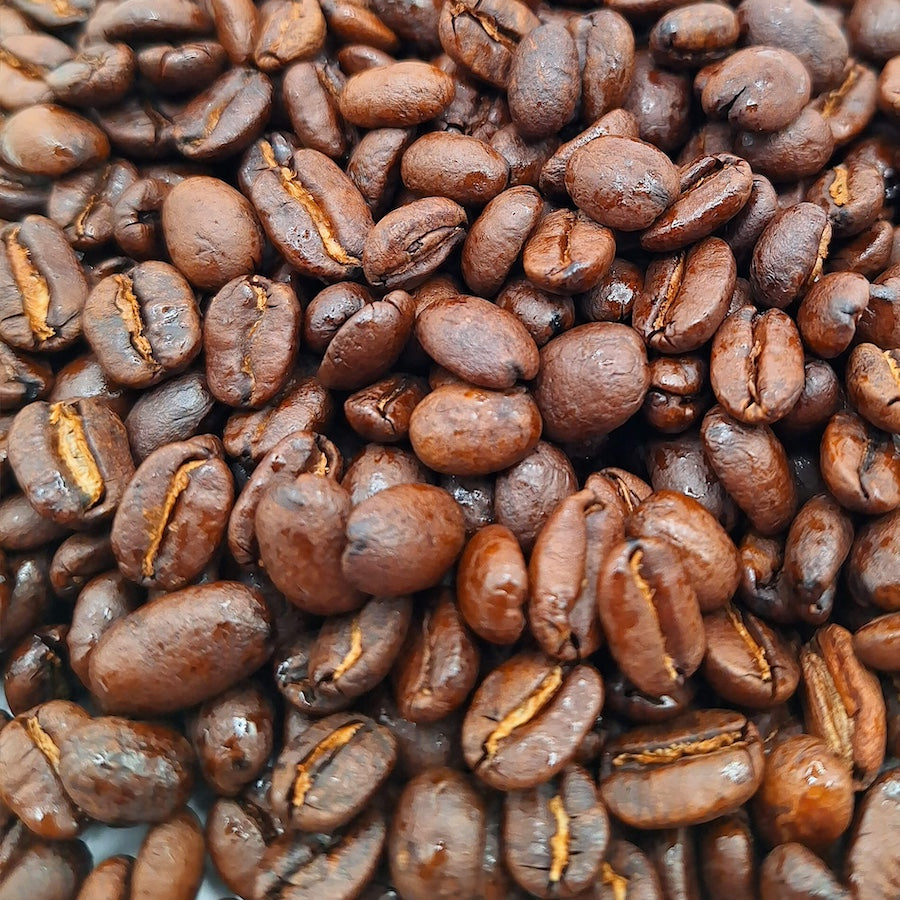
<point x="105" y="842"/>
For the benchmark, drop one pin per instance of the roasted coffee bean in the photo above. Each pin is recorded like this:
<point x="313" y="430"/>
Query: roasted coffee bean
<point x="818" y="542"/>
<point x="437" y="666"/>
<point x="71" y="460"/>
<point x="412" y="241"/>
<point x="176" y="68"/>
<point x="325" y="777"/>
<point x="819" y="400"/>
<point x="526" y="720"/>
<point x="159" y="658"/>
<point x="788" y="257"/>
<point x="374" y="165"/>
<point x="110" y="880"/>
<point x="873" y="384"/>
<point x="806" y="794"/>
<point x="463" y="430"/>
<point x="678" y="395"/>
<point x="251" y="332"/>
<point x="24" y="378"/>
<point x="37" y="670"/>
<point x="793" y="871"/>
<point x="747" y="661"/>
<point x="123" y="772"/>
<point x="30" y="786"/>
<point x="660" y="102"/>
<point x="726" y="857"/>
<point x="568" y="390"/>
<point x="871" y="568"/>
<point x="396" y="96"/>
<point x="622" y="183"/>
<point x="339" y="864"/>
<point x="482" y="37"/>
<point x="310" y="91"/>
<point x="564" y="569"/>
<point x="377" y="467"/>
<point x="756" y="365"/>
<point x="873" y="869"/>
<point x="173" y="514"/>
<point x="407" y="521"/>
<point x="300" y="525"/>
<point x="645" y="771"/>
<point x="42" y="287"/>
<point x="51" y="141"/>
<point x="685" y="297"/>
<point x="830" y="311"/>
<point x="173" y="852"/>
<point x="78" y="559"/>
<point x="757" y="88"/>
<point x="382" y="411"/>
<point x="860" y="465"/>
<point x="439" y="805"/>
<point x="876" y="643"/>
<point x="476" y="340"/>
<point x="53" y="869"/>
<point x="555" y="835"/>
<point x="492" y="585"/>
<point x="143" y="325"/>
<point x="368" y="343"/>
<point x="768" y="496"/>
<point x="650" y="615"/>
<point x="286" y="30"/>
<point x="695" y="36"/>
<point x="842" y="703"/>
<point x="568" y="253"/>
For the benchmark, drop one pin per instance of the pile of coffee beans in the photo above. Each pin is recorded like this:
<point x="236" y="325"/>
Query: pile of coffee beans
<point x="453" y="443"/>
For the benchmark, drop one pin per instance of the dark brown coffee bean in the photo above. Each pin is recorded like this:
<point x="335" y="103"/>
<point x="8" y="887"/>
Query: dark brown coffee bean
<point x="437" y="805"/>
<point x="30" y="748"/>
<point x="173" y="851"/>
<point x="143" y="325"/>
<point x="210" y="250"/>
<point x="872" y="867"/>
<point x="726" y="857"/>
<point x="756" y="365"/>
<point x="568" y="253"/>
<point x="679" y="393"/>
<point x="368" y="343"/>
<point x="620" y="182"/>
<point x="660" y="101"/>
<point x="437" y="666"/>
<point x="173" y="514"/>
<point x="692" y="36"/>
<point x="753" y="467"/>
<point x="710" y="558"/>
<point x="685" y="297"/>
<point x="544" y="315"/>
<point x="323" y="778"/>
<point x="300" y="526"/>
<point x="382" y="411"/>
<point x="374" y="165"/>
<point x="830" y="311"/>
<point x="484" y="345"/>
<point x="860" y="465"/>
<point x="555" y="835"/>
<point x="287" y="30"/>
<point x="463" y="430"/>
<point x="842" y="703"/>
<point x="176" y="68"/>
<point x="748" y="662"/>
<point x="51" y="141"/>
<point x="526" y="720"/>
<point x="251" y="332"/>
<point x="871" y="570"/>
<point x="408" y="521"/>
<point x="24" y="595"/>
<point x="876" y="644"/>
<point x="37" y="670"/>
<point x="329" y="310"/>
<point x="873" y="383"/>
<point x="42" y="287"/>
<point x="377" y="467"/>
<point x="482" y="37"/>
<point x="25" y="378"/>
<point x="806" y="794"/>
<point x="225" y="118"/>
<point x="492" y="585"/>
<point x="54" y="870"/>
<point x="78" y="559"/>
<point x="757" y="88"/>
<point x="304" y="405"/>
<point x="148" y="663"/>
<point x="310" y="91"/>
<point x="71" y="460"/>
<point x="412" y="241"/>
<point x="122" y="772"/>
<point x="103" y="601"/>
<point x="337" y="865"/>
<point x="568" y="391"/>
<point x="817" y="545"/>
<point x="497" y="237"/>
<point x="650" y="615"/>
<point x="83" y="204"/>
<point x="646" y="771"/>
<point x="395" y="96"/>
